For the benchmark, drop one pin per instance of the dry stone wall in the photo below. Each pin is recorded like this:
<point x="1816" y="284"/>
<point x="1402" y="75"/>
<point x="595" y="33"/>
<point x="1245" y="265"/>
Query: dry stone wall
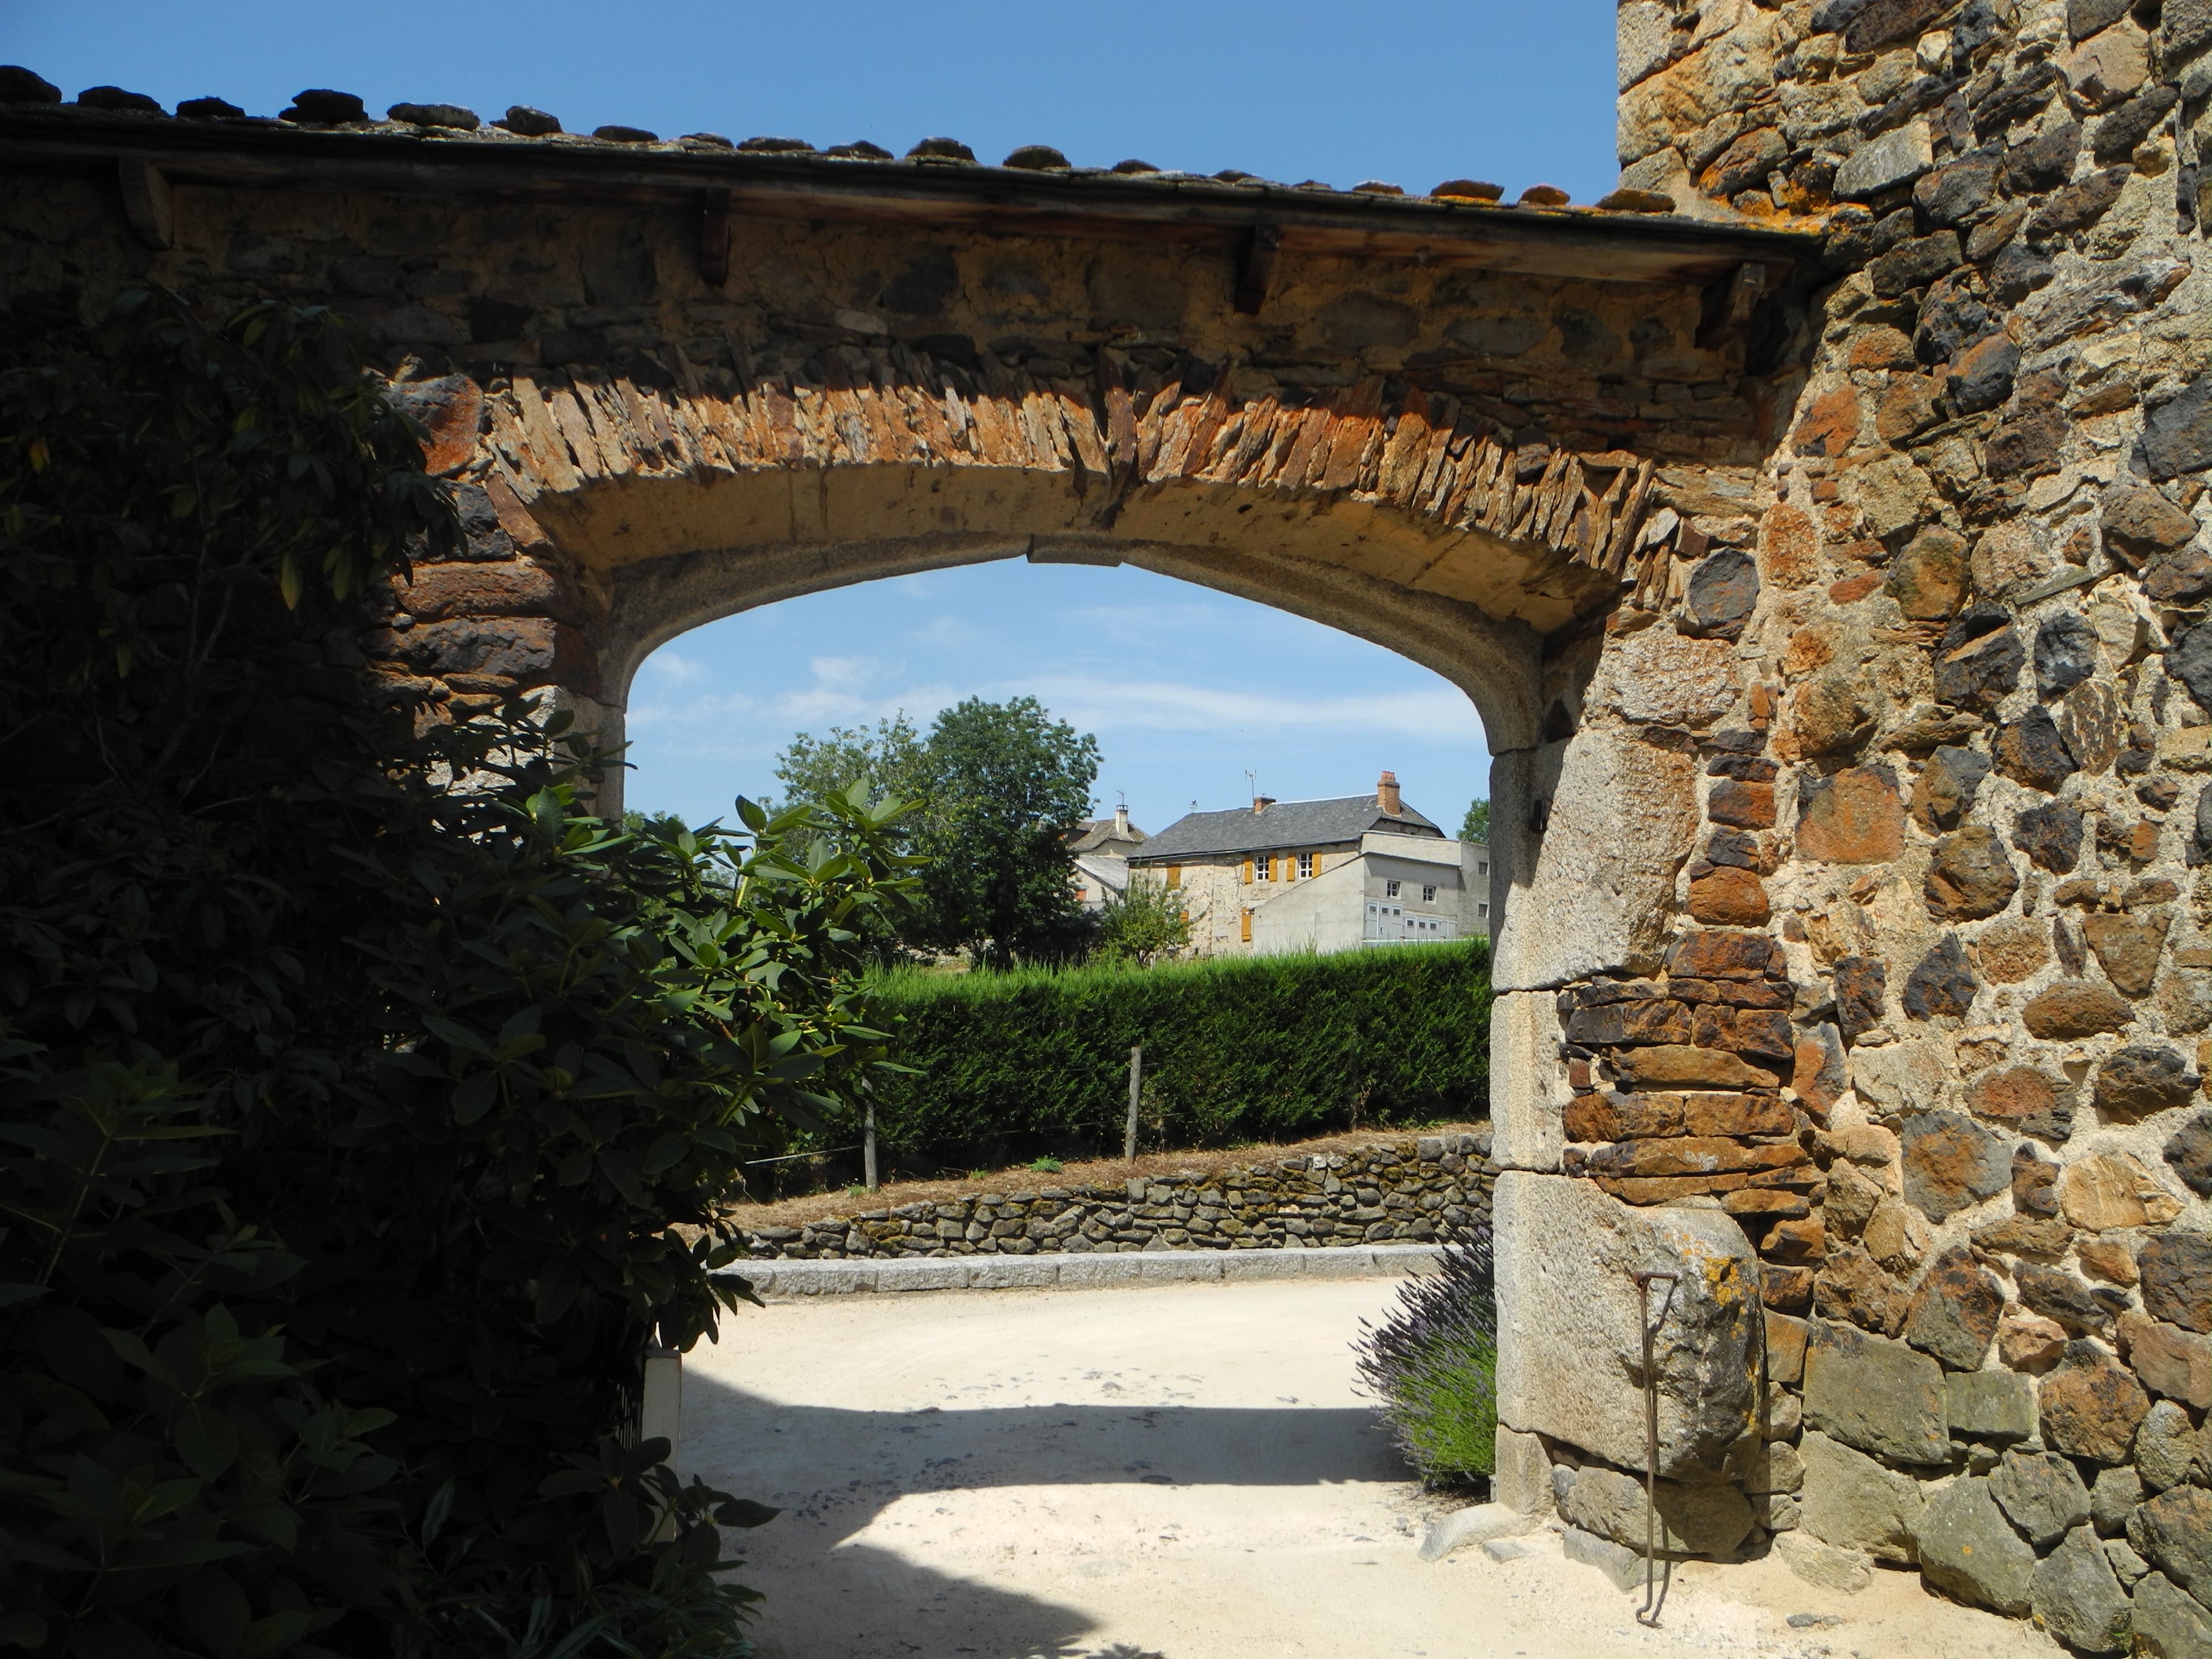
<point x="1927" y="1015"/>
<point x="1426" y="1189"/>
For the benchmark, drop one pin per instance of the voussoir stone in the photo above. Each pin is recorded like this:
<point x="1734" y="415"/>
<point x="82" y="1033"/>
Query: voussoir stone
<point x="1876" y="1395"/>
<point x="2043" y="1494"/>
<point x="1969" y="1550"/>
<point x="1572" y="1360"/>
<point x="2078" y="1596"/>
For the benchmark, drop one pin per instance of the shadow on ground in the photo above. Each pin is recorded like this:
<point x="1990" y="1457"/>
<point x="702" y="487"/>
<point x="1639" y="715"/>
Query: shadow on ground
<point x="834" y="1472"/>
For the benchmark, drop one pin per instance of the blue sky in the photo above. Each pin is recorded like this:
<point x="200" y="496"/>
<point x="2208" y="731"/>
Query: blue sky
<point x="1185" y="689"/>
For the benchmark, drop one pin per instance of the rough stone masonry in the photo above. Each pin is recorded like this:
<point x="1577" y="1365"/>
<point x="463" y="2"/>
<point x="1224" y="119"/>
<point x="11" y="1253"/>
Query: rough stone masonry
<point x="1825" y="555"/>
<point x="1413" y="1189"/>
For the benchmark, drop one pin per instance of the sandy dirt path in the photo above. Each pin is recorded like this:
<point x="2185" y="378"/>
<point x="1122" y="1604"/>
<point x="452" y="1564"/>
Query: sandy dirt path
<point x="1173" y="1472"/>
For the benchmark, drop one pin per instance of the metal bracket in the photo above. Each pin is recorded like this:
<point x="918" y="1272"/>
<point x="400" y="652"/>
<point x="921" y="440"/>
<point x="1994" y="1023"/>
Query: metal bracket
<point x="1655" y="1587"/>
<point x="1728" y="305"/>
<point x="714" y="239"/>
<point x="1255" y="267"/>
<point x="147" y="202"/>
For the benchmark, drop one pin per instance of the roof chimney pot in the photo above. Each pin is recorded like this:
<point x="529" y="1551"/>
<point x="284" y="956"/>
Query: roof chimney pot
<point x="1261" y="803"/>
<point x="1122" y="823"/>
<point x="1386" y="794"/>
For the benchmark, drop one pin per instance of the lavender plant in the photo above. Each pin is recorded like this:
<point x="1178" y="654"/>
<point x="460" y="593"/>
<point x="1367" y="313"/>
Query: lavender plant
<point x="1431" y="1366"/>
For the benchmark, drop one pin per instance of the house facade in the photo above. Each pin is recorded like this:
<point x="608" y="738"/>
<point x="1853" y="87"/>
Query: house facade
<point x="1340" y="874"/>
<point x="1102" y="849"/>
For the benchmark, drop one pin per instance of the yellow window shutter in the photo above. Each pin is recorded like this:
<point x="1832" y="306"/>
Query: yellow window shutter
<point x="1247" y="870"/>
<point x="1174" y="875"/>
<point x="1248" y="927"/>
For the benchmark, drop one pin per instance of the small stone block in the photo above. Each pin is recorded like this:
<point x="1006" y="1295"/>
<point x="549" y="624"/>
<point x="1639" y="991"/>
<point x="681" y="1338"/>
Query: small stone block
<point x="1261" y="1264"/>
<point x="1785" y="1347"/>
<point x="1522" y="1480"/>
<point x="1509" y="1549"/>
<point x="1338" y="1263"/>
<point x="1015" y="1273"/>
<point x="1999" y="1405"/>
<point x="825" y="1278"/>
<point x="1623" y="1566"/>
<point x="1183" y="1266"/>
<point x="1477" y="1524"/>
<point x="1099" y="1269"/>
<point x="925" y="1275"/>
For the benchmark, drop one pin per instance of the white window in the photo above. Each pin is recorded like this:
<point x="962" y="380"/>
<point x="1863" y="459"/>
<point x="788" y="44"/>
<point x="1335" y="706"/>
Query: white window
<point x="1482" y="866"/>
<point x="1428" y="896"/>
<point x="1389" y="889"/>
<point x="1305" y="866"/>
<point x="1482" y="909"/>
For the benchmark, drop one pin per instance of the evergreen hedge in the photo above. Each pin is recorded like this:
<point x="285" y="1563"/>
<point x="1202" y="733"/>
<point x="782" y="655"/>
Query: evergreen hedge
<point x="1008" y="1064"/>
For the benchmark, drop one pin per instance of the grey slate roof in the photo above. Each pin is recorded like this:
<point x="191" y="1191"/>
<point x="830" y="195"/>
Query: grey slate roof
<point x="1286" y="824"/>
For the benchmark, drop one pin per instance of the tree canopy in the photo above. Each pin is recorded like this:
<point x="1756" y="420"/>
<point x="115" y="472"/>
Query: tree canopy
<point x="995" y="788"/>
<point x="1476" y="825"/>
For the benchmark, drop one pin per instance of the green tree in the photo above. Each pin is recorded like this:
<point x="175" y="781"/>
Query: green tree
<point x="1143" y="922"/>
<point x="1002" y="785"/>
<point x="889" y="762"/>
<point x="1476" y="825"/>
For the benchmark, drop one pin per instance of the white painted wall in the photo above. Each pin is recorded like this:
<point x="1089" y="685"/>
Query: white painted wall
<point x="1350" y="906"/>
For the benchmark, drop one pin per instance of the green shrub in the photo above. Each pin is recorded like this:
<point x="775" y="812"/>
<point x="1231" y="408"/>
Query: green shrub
<point x="359" y="1130"/>
<point x="1432" y="1367"/>
<point x="1007" y="1065"/>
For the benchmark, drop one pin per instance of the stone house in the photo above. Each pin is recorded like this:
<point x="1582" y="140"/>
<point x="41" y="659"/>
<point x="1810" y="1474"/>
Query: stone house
<point x="1340" y="874"/>
<point x="1102" y="849"/>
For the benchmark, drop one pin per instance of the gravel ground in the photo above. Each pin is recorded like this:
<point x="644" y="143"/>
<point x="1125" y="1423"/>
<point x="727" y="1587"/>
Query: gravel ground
<point x="1180" y="1472"/>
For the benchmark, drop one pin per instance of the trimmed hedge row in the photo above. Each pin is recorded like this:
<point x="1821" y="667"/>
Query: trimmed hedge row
<point x="1009" y="1065"/>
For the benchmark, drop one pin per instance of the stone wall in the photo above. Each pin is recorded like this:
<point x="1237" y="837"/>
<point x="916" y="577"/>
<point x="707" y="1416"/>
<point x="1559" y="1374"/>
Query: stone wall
<point x="1922" y="1006"/>
<point x="1413" y="1190"/>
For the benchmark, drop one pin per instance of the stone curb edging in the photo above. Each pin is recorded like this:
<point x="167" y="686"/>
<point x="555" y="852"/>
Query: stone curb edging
<point x="785" y="1279"/>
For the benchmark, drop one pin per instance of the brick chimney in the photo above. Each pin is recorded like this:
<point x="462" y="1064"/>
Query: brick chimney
<point x="1386" y="794"/>
<point x="1260" y="803"/>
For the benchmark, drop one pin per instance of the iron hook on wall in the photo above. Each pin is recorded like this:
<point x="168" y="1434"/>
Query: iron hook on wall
<point x="1656" y="1583"/>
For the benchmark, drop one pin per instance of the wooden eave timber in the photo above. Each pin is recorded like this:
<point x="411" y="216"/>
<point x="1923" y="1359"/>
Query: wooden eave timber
<point x="268" y="155"/>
